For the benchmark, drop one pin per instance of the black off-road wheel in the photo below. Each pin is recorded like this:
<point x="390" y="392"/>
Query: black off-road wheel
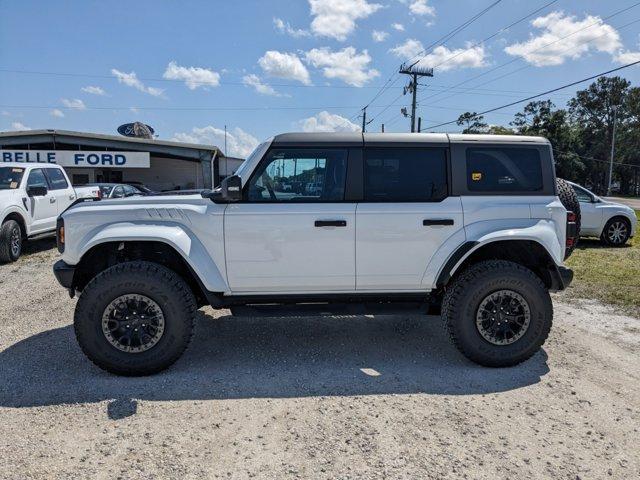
<point x="10" y="241"/>
<point x="569" y="199"/>
<point x="497" y="313"/>
<point x="616" y="232"/>
<point x="135" y="318"/>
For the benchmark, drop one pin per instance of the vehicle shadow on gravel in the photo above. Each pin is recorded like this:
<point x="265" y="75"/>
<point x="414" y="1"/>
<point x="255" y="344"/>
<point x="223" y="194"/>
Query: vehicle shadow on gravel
<point x="243" y="357"/>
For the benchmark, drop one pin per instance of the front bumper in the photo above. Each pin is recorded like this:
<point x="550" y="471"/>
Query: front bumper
<point x="64" y="273"/>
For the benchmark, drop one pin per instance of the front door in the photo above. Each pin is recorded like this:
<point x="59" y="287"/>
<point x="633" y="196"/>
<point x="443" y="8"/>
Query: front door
<point x="293" y="232"/>
<point x="590" y="215"/>
<point x="405" y="217"/>
<point x="43" y="210"/>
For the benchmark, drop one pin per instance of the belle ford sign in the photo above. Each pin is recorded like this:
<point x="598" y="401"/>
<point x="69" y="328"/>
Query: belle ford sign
<point x="71" y="158"/>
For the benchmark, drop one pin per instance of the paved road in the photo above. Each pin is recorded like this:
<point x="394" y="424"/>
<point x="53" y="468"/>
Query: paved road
<point x="632" y="202"/>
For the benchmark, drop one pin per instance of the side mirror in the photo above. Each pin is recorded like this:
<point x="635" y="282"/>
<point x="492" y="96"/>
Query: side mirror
<point x="230" y="191"/>
<point x="37" y="191"/>
<point x="231" y="188"/>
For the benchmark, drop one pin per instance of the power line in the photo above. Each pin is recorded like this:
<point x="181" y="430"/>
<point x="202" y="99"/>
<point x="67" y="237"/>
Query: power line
<point x="545" y="93"/>
<point x="495" y="34"/>
<point x="512" y="24"/>
<point x="441" y="40"/>
<point x="597" y="159"/>
<point x="520" y="57"/>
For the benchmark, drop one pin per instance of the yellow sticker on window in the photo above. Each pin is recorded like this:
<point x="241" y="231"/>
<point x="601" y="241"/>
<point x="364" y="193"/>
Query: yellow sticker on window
<point x="476" y="176"/>
<point x="13" y="185"/>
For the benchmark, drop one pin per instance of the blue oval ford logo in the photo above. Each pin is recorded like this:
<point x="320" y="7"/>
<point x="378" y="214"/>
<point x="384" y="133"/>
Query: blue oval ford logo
<point x="127" y="129"/>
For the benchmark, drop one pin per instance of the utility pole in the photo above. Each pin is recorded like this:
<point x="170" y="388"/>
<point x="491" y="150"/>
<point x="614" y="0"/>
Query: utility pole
<point x="613" y="148"/>
<point x="364" y="119"/>
<point x="415" y="73"/>
<point x="419" y="124"/>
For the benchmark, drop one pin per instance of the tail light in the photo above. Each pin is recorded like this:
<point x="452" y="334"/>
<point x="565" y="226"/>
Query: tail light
<point x="99" y="193"/>
<point x="572" y="229"/>
<point x="60" y="234"/>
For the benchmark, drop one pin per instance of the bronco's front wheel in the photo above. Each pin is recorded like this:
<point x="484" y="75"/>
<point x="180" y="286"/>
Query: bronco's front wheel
<point x="498" y="313"/>
<point x="135" y="318"/>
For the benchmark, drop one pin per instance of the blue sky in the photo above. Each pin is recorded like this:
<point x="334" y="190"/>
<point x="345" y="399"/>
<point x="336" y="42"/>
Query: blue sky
<point x="188" y="68"/>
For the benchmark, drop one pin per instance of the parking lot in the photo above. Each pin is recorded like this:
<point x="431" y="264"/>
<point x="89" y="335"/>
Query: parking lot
<point x="354" y="397"/>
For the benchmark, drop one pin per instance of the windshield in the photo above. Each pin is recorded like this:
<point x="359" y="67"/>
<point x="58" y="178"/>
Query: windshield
<point x="256" y="154"/>
<point x="10" y="177"/>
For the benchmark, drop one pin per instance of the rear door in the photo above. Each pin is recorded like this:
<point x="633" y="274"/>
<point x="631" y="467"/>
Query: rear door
<point x="293" y="232"/>
<point x="43" y="210"/>
<point x="60" y="188"/>
<point x="405" y="217"/>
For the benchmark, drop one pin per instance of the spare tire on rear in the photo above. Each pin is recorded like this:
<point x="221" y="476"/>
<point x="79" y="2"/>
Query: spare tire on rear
<point x="569" y="200"/>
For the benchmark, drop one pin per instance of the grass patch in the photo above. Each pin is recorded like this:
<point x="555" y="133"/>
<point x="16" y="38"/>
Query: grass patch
<point x="611" y="275"/>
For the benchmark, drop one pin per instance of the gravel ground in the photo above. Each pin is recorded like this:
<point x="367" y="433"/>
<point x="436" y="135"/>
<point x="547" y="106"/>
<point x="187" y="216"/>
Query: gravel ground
<point x="313" y="398"/>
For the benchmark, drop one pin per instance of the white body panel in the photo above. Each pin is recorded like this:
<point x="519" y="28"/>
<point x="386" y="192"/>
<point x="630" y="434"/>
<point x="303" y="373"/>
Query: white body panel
<point x="597" y="212"/>
<point x="393" y="247"/>
<point x="38" y="214"/>
<point x="277" y="247"/>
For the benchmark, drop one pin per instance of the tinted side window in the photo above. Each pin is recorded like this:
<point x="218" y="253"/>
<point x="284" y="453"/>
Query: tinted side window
<point x="300" y="175"/>
<point x="583" y="195"/>
<point x="405" y="174"/>
<point x="56" y="179"/>
<point x="504" y="169"/>
<point x="37" y="179"/>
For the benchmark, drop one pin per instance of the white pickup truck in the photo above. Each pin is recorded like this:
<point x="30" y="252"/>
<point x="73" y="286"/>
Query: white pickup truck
<point x="32" y="195"/>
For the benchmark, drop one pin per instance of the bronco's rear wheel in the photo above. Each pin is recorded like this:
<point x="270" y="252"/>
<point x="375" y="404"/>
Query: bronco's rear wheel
<point x="498" y="313"/>
<point x="135" y="318"/>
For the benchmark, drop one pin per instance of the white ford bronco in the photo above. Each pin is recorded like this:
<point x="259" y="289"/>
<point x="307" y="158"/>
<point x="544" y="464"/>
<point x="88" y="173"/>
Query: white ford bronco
<point x="32" y="195"/>
<point x="470" y="225"/>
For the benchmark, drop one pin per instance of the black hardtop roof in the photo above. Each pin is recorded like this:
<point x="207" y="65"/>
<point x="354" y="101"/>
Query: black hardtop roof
<point x="357" y="138"/>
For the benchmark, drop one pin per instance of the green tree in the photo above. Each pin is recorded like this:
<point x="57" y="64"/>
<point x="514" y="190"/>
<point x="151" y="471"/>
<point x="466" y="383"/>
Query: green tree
<point x="474" y="123"/>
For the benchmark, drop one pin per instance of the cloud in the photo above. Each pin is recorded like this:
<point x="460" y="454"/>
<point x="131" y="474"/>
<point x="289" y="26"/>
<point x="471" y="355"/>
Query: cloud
<point x="74" y="103"/>
<point x="420" y="7"/>
<point x="442" y="57"/>
<point x="5" y="113"/>
<point x="19" y="126"/>
<point x="624" y="57"/>
<point x="284" y="27"/>
<point x="93" y="90"/>
<point x="398" y="27"/>
<point x="409" y="49"/>
<point x="538" y="52"/>
<point x="259" y="86"/>
<point x="347" y="64"/>
<point x="239" y="142"/>
<point x="337" y="18"/>
<point x="131" y="80"/>
<point x="193" y="77"/>
<point x="327" y="122"/>
<point x="284" y="65"/>
<point x="379" y="36"/>
<point x="56" y="113"/>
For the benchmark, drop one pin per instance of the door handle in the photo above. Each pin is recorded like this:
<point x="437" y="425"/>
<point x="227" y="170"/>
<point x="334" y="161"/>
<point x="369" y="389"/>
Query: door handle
<point x="52" y="200"/>
<point x="72" y="197"/>
<point x="430" y="222"/>
<point x="330" y="223"/>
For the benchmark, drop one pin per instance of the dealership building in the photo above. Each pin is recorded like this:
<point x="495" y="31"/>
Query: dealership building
<point x="95" y="158"/>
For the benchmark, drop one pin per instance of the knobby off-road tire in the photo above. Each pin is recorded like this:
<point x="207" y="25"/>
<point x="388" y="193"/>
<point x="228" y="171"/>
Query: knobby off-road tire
<point x="470" y="290"/>
<point x="145" y="286"/>
<point x="616" y="232"/>
<point x="569" y="199"/>
<point x="10" y="241"/>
